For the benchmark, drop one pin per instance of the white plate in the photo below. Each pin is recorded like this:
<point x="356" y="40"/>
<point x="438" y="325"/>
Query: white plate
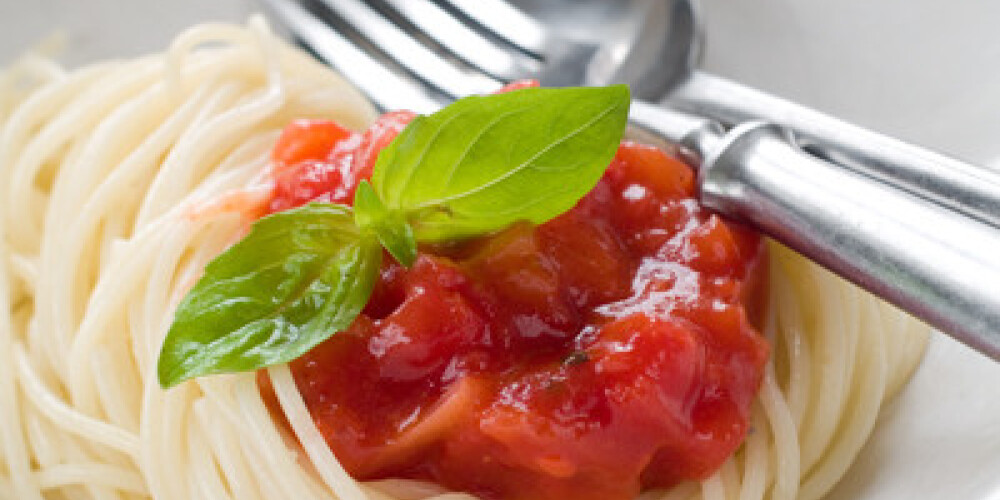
<point x="924" y="70"/>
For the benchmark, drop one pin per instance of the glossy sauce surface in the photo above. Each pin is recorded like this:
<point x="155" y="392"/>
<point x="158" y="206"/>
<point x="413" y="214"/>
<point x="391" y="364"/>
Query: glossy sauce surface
<point x="604" y="352"/>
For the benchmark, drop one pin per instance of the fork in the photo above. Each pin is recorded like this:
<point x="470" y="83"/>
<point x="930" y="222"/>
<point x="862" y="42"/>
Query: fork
<point x="933" y="261"/>
<point x="458" y="61"/>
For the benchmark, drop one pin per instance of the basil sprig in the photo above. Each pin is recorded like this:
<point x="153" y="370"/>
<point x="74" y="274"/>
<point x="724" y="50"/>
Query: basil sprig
<point x="297" y="277"/>
<point x="474" y="167"/>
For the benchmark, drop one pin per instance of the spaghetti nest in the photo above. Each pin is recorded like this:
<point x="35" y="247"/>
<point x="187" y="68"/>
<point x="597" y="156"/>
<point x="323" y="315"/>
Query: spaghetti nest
<point x="120" y="181"/>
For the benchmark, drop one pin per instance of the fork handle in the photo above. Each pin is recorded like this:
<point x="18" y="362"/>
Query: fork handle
<point x="936" y="263"/>
<point x="961" y="186"/>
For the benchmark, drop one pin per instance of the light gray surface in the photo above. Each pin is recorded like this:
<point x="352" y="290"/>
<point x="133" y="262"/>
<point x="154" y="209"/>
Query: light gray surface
<point x="925" y="70"/>
<point x="99" y="29"/>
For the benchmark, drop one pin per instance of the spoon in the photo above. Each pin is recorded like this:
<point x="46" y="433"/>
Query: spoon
<point x="597" y="42"/>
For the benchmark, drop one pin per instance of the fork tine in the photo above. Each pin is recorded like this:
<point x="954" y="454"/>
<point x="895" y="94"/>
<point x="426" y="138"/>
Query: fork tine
<point x="386" y="89"/>
<point x="507" y="22"/>
<point x="466" y="43"/>
<point x="409" y="53"/>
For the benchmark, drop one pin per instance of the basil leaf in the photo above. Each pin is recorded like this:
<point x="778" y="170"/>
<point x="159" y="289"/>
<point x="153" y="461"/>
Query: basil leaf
<point x="486" y="161"/>
<point x="390" y="228"/>
<point x="295" y="280"/>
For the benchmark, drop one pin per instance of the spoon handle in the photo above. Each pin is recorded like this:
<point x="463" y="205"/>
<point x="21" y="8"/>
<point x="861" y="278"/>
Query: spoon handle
<point x="972" y="190"/>
<point x="936" y="263"/>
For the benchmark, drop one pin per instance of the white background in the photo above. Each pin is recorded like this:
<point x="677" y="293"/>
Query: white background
<point x="924" y="70"/>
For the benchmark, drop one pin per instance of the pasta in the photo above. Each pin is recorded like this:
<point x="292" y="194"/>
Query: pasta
<point x="121" y="180"/>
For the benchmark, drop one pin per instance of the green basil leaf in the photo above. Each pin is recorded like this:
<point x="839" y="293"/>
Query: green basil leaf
<point x="486" y="161"/>
<point x="390" y="228"/>
<point x="297" y="278"/>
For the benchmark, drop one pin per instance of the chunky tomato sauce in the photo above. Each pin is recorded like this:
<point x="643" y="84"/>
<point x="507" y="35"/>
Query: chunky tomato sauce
<point x="604" y="352"/>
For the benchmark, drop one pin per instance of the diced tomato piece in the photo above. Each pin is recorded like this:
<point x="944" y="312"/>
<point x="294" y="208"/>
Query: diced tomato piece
<point x="305" y="140"/>
<point x="518" y="85"/>
<point x="650" y="168"/>
<point x="435" y="321"/>
<point x="527" y="291"/>
<point x="709" y="248"/>
<point x="593" y="265"/>
<point x="317" y="160"/>
<point x="309" y="181"/>
<point x="390" y="289"/>
<point x="376" y="138"/>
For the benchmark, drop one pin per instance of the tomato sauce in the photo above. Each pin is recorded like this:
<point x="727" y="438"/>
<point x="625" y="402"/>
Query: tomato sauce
<point x="609" y="350"/>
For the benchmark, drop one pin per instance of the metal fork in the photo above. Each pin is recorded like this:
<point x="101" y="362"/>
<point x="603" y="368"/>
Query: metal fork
<point x="456" y="62"/>
<point x="937" y="263"/>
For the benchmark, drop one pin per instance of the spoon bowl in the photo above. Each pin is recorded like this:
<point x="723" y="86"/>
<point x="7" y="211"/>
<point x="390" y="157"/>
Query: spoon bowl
<point x="651" y="45"/>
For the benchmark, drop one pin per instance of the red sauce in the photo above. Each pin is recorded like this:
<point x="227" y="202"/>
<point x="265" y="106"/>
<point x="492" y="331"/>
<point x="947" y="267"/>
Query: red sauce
<point x="604" y="352"/>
